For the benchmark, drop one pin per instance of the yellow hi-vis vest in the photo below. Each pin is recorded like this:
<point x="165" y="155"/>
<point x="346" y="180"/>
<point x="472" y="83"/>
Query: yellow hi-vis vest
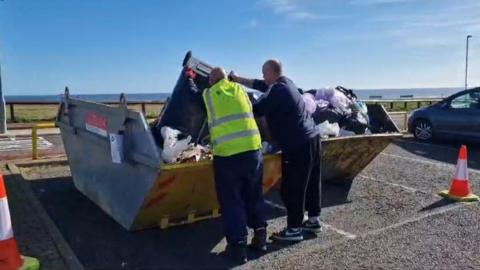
<point x="233" y="128"/>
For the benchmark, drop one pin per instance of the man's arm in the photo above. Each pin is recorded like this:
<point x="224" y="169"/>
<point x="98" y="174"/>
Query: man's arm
<point x="259" y="85"/>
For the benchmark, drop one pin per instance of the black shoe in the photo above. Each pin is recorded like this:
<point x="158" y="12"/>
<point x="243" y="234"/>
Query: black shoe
<point x="259" y="241"/>
<point x="287" y="234"/>
<point x="314" y="227"/>
<point x="237" y="253"/>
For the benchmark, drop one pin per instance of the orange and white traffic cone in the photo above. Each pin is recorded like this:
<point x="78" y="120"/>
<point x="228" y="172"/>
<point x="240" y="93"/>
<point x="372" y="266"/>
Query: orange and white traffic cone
<point x="460" y="188"/>
<point x="10" y="258"/>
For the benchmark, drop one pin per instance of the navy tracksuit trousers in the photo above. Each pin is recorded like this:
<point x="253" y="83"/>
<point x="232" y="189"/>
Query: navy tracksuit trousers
<point x="301" y="182"/>
<point x="238" y="181"/>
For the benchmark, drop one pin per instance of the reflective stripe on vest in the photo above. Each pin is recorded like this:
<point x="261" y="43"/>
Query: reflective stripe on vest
<point x="228" y="118"/>
<point x="236" y="135"/>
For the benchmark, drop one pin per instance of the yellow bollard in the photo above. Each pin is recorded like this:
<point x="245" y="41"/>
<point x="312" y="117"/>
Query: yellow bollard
<point x="35" y="137"/>
<point x="34" y="143"/>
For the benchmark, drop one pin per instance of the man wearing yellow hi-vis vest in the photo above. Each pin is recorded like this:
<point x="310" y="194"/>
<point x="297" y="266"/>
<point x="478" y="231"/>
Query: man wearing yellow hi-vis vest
<point x="237" y="162"/>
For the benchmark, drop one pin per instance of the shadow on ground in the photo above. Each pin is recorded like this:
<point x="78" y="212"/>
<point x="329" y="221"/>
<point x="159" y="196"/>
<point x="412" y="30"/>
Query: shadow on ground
<point x="100" y="243"/>
<point x="442" y="150"/>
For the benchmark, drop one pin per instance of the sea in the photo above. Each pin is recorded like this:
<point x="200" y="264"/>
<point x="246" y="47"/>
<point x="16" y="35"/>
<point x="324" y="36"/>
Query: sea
<point x="363" y="94"/>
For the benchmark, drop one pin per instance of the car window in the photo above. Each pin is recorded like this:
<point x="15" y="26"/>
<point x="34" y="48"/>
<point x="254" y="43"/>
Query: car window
<point x="470" y="100"/>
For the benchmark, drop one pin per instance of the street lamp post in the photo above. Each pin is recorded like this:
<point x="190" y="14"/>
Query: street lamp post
<point x="466" y="63"/>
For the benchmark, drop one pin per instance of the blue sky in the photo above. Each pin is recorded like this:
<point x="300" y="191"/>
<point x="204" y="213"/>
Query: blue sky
<point x="108" y="46"/>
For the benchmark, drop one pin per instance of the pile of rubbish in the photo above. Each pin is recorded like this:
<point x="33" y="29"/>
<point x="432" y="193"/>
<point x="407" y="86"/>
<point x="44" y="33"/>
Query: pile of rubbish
<point x="177" y="148"/>
<point x="337" y="112"/>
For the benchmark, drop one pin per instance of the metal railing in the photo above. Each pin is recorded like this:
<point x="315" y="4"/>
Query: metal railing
<point x="391" y="102"/>
<point x="12" y="104"/>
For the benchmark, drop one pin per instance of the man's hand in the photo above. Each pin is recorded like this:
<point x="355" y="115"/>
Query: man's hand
<point x="244" y="81"/>
<point x="233" y="77"/>
<point x="189" y="73"/>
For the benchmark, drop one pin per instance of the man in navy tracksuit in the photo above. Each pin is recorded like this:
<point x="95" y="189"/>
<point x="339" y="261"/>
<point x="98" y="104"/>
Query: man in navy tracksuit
<point x="293" y="129"/>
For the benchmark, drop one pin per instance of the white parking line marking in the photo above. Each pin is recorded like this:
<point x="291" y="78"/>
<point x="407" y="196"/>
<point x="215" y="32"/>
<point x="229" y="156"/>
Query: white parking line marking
<point x="434" y="212"/>
<point x="14" y="144"/>
<point x="342" y="232"/>
<point x="392" y="184"/>
<point x="276" y="205"/>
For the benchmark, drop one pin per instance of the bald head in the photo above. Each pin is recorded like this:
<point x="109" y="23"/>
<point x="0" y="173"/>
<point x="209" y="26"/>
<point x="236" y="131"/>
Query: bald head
<point x="274" y="65"/>
<point x="217" y="74"/>
<point x="272" y="70"/>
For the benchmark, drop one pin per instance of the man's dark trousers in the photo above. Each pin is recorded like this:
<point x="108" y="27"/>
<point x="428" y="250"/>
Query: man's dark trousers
<point x="301" y="182"/>
<point x="238" y="180"/>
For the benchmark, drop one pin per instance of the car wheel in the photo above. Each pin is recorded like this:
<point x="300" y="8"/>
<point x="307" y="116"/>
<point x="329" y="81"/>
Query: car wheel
<point x="423" y="130"/>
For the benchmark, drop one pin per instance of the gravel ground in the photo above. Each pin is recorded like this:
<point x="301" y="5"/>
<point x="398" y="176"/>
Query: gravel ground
<point x="447" y="240"/>
<point x="391" y="218"/>
<point x="39" y="172"/>
<point x="429" y="176"/>
<point x="31" y="233"/>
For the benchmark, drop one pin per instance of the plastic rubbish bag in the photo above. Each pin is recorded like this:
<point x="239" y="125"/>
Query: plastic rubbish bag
<point x="328" y="129"/>
<point x="310" y="103"/>
<point x="346" y="133"/>
<point x="333" y="97"/>
<point x="341" y="102"/>
<point x="172" y="146"/>
<point x="363" y="111"/>
<point x="324" y="93"/>
<point x="329" y="114"/>
<point x="355" y="122"/>
<point x="340" y="105"/>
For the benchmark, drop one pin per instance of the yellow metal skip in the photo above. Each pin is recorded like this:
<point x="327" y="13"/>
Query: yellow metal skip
<point x="185" y="193"/>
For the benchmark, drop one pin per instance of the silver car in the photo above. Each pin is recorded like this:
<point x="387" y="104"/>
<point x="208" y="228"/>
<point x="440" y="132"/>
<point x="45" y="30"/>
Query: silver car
<point x="456" y="117"/>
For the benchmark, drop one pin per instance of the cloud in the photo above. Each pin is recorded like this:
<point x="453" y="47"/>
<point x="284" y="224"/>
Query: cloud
<point x="302" y="16"/>
<point x="281" y="6"/>
<point x="378" y="2"/>
<point x="293" y="10"/>
<point x="438" y="26"/>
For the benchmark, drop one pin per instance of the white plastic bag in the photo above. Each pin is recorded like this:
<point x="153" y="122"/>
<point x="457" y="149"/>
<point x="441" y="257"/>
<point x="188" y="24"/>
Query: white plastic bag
<point x="172" y="147"/>
<point x="326" y="129"/>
